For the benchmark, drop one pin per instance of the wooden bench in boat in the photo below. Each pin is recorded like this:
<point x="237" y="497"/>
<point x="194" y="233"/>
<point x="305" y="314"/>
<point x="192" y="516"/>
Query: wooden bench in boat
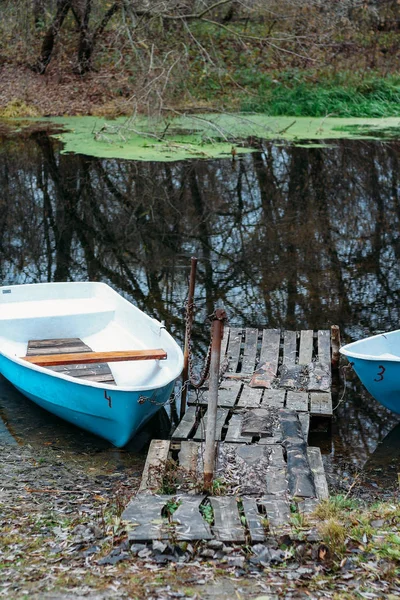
<point x="74" y="358"/>
<point x="53" y="360"/>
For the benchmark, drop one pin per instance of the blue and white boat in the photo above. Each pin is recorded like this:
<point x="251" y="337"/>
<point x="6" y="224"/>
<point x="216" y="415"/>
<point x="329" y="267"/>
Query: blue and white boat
<point x="42" y="323"/>
<point x="376" y="360"/>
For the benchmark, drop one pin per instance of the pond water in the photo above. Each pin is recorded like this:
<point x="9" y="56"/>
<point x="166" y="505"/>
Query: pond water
<point x="291" y="237"/>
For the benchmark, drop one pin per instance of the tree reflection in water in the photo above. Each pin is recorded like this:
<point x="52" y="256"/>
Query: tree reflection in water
<point x="286" y="237"/>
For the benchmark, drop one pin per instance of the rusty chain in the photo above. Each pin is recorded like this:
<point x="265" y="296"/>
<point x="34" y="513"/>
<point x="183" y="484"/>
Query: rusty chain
<point x="196" y="382"/>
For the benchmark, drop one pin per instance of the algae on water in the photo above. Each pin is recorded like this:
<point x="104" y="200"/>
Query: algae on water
<point x="206" y="136"/>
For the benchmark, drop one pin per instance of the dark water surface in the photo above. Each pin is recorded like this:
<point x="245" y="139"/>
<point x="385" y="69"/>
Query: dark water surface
<point x="290" y="237"/>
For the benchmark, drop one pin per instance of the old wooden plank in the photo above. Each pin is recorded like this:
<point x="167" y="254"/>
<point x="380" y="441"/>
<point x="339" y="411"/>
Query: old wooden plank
<point x="324" y="347"/>
<point x="200" y="433"/>
<point x="304" y="419"/>
<point x="306" y="347"/>
<point x="254" y="519"/>
<point x="300" y="478"/>
<point x="83" y="370"/>
<point x="321" y="404"/>
<point x="186" y="425"/>
<point x="234" y="349"/>
<point x="260" y="421"/>
<point x="234" y="433"/>
<point x="228" y="394"/>
<point x="277" y="512"/>
<point x="93" y="372"/>
<point x="276" y="482"/>
<point x="187" y="521"/>
<point x="289" y="348"/>
<point x="243" y="467"/>
<point x="319" y="377"/>
<point x="270" y="441"/>
<point x="249" y="352"/>
<point x="267" y="367"/>
<point x="225" y="342"/>
<point x="308" y="505"/>
<point x="317" y="468"/>
<point x="56" y="346"/>
<point x="154" y="468"/>
<point x="147" y="522"/>
<point x="297" y="401"/>
<point x="250" y="397"/>
<point x="274" y="398"/>
<point x="227" y="525"/>
<point x="188" y="457"/>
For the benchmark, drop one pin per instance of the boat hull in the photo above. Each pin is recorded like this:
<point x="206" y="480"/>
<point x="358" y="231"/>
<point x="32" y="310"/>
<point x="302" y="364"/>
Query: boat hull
<point x="376" y="361"/>
<point x="382" y="380"/>
<point x="115" y="415"/>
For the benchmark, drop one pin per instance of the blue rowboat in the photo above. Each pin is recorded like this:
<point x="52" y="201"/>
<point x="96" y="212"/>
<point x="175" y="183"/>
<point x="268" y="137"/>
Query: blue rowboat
<point x="376" y="360"/>
<point x="87" y="355"/>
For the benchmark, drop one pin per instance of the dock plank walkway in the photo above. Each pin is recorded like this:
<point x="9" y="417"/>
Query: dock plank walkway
<point x="273" y="384"/>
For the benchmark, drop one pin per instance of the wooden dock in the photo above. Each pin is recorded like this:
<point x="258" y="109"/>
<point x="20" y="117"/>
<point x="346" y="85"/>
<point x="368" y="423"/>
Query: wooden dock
<point x="273" y="383"/>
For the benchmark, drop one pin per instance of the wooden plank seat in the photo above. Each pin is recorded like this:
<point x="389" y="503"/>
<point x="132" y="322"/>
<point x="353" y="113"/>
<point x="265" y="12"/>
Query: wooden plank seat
<point x="51" y="360"/>
<point x="72" y="357"/>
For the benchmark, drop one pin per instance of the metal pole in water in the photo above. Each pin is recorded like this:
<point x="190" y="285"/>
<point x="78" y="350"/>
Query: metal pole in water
<point x="185" y="372"/>
<point x="219" y="318"/>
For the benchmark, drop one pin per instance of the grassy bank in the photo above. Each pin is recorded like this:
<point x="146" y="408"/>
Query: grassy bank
<point x="283" y="58"/>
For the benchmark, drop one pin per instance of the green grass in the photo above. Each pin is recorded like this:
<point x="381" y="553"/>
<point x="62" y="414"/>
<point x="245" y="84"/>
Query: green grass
<point x="346" y="95"/>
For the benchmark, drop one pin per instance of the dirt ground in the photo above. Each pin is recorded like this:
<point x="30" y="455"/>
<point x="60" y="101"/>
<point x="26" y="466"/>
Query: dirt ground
<point x="61" y="536"/>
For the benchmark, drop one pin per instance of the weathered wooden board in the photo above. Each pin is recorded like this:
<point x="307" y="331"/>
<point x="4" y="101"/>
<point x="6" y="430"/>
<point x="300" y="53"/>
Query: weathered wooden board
<point x="92" y="372"/>
<point x="145" y="516"/>
<point x="249" y="352"/>
<point x="307" y="505"/>
<point x="300" y="478"/>
<point x="267" y="367"/>
<point x="306" y="347"/>
<point x="227" y="525"/>
<point x="319" y="377"/>
<point x="56" y="346"/>
<point x="154" y="467"/>
<point x="222" y="414"/>
<point x="234" y="349"/>
<point x="321" y="404"/>
<point x="188" y="457"/>
<point x="297" y="401"/>
<point x="234" y="433"/>
<point x="317" y="468"/>
<point x="276" y="481"/>
<point x="289" y="348"/>
<point x="187" y="521"/>
<point x="274" y="398"/>
<point x="277" y="512"/>
<point x="243" y="467"/>
<point x="260" y="421"/>
<point x="225" y="342"/>
<point x="74" y="358"/>
<point x="186" y="425"/>
<point x="254" y="519"/>
<point x="250" y="397"/>
<point x="304" y="419"/>
<point x="228" y="393"/>
<point x="324" y="347"/>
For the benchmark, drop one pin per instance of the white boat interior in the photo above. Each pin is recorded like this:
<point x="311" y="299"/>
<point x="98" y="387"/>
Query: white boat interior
<point x="97" y="315"/>
<point x="384" y="346"/>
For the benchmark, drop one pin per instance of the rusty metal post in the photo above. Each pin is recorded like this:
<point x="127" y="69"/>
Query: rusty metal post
<point x="185" y="372"/>
<point x="219" y="318"/>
